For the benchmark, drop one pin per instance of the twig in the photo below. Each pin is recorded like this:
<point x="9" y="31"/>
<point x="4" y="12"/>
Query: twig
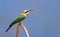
<point x="18" y="29"/>
<point x="25" y="29"/>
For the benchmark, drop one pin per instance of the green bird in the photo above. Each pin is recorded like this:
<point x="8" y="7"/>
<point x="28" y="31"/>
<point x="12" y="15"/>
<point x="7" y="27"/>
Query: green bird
<point x="20" y="18"/>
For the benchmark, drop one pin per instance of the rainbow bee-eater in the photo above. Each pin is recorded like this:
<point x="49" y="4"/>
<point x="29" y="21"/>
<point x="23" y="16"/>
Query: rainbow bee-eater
<point x="20" y="18"/>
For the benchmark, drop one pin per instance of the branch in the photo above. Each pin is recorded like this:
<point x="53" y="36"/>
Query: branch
<point x="18" y="29"/>
<point x="25" y="29"/>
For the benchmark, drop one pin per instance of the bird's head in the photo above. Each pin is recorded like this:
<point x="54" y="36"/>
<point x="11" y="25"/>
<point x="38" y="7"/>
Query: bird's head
<point x="26" y="11"/>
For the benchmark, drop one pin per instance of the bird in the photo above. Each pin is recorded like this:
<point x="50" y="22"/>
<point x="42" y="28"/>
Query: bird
<point x="20" y="18"/>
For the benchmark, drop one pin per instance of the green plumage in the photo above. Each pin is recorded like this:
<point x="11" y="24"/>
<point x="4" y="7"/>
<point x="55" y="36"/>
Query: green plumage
<point x="19" y="19"/>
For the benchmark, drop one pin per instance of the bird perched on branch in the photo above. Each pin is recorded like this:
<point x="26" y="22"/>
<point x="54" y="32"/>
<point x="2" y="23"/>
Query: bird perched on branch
<point x="20" y="18"/>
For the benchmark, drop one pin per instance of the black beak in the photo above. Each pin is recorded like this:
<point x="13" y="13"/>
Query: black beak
<point x="30" y="10"/>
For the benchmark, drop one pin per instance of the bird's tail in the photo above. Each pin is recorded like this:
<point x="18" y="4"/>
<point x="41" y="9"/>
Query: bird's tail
<point x="8" y="28"/>
<point x="14" y="22"/>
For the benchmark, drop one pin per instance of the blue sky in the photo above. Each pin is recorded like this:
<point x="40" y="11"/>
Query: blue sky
<point x="43" y="21"/>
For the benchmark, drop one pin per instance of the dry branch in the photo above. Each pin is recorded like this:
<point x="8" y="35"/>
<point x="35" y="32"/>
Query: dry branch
<point x="24" y="28"/>
<point x="18" y="29"/>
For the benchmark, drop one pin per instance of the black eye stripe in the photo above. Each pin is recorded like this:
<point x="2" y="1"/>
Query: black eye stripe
<point x="26" y="11"/>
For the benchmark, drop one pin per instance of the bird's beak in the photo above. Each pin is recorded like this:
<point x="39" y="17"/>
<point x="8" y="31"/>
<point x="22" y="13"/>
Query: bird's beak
<point x="30" y="10"/>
